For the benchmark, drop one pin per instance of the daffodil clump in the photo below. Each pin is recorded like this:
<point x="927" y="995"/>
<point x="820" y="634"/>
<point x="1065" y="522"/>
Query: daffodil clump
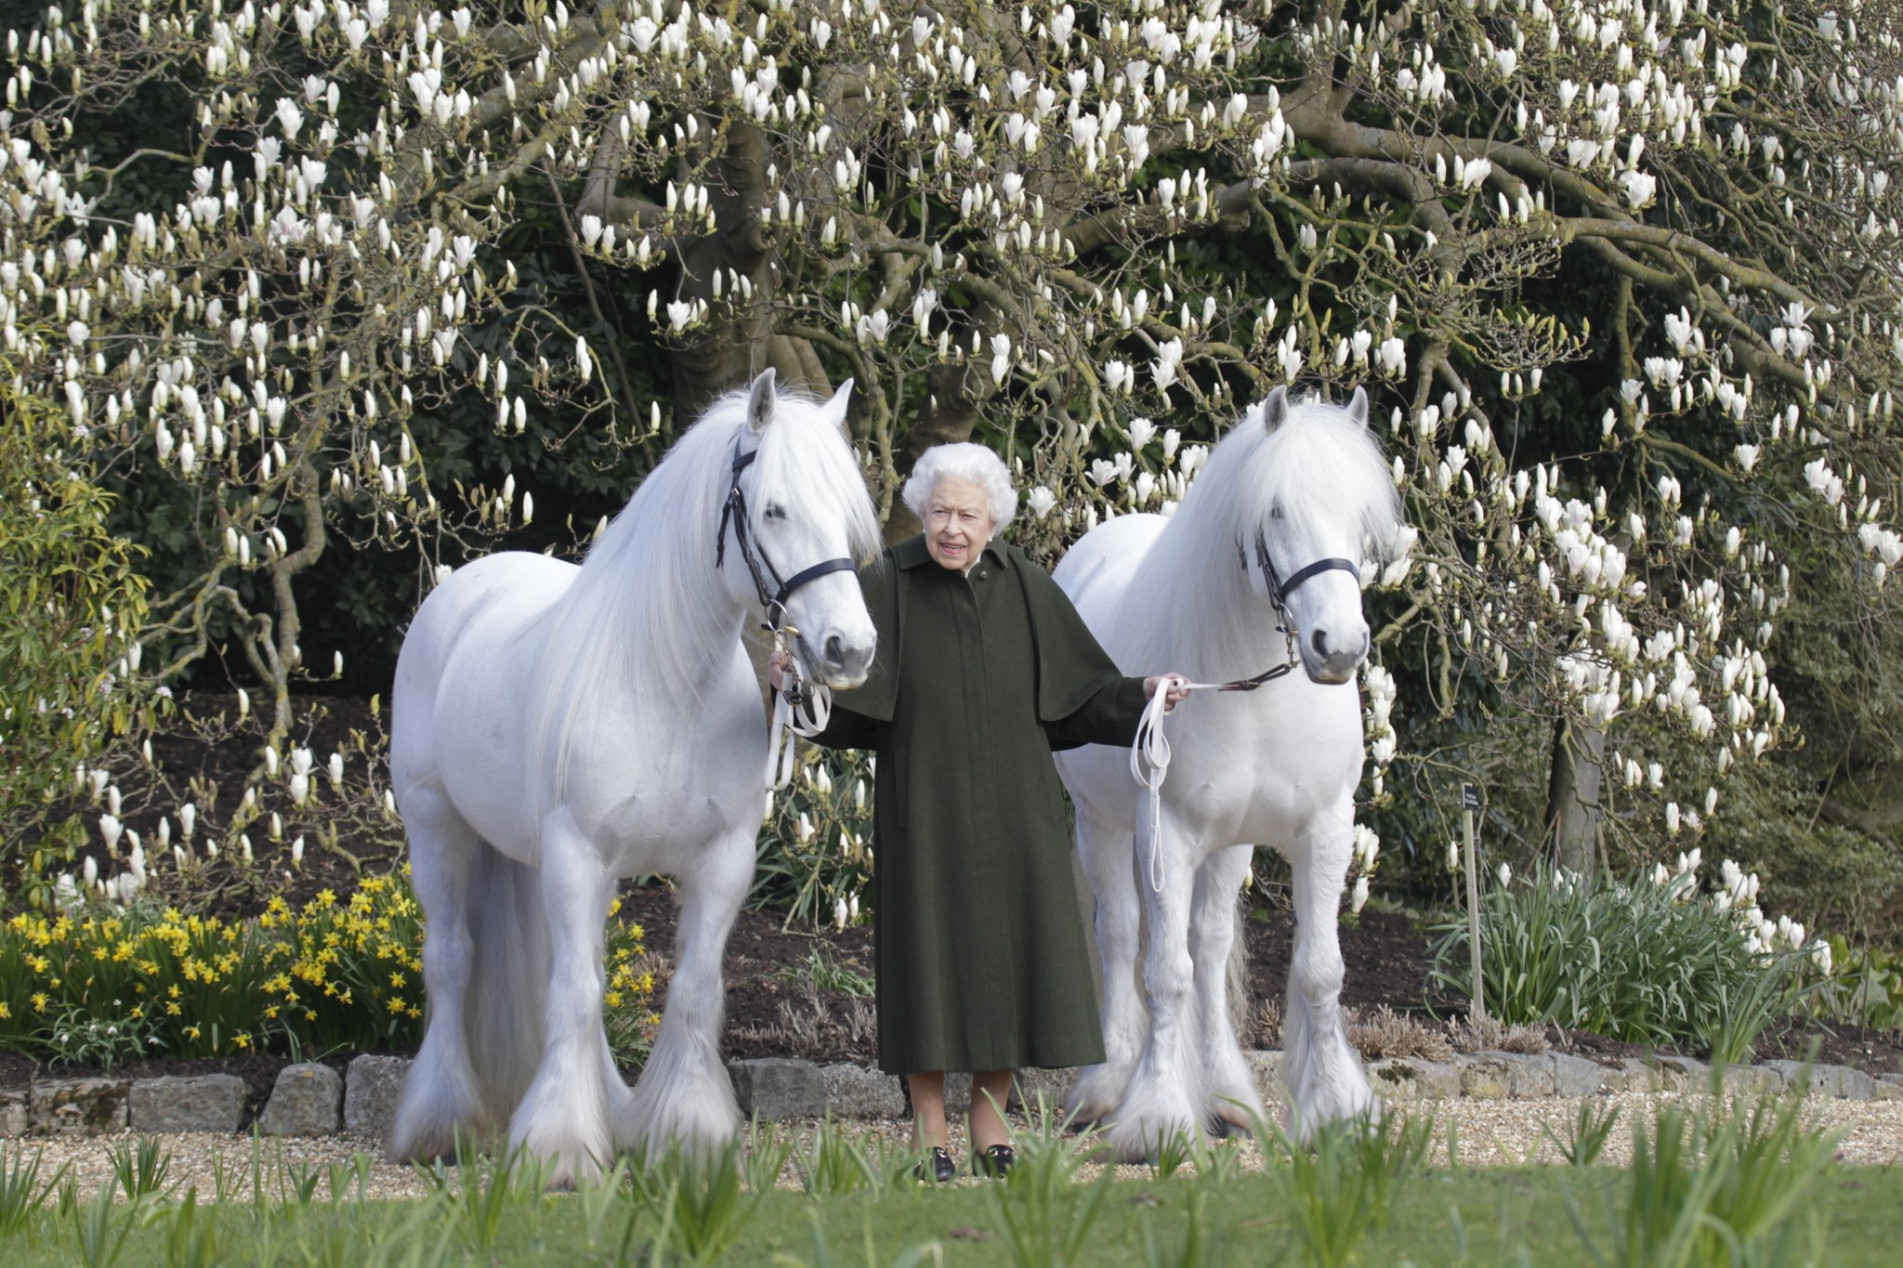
<point x="191" y="985"/>
<point x="337" y="974"/>
<point x="347" y="974"/>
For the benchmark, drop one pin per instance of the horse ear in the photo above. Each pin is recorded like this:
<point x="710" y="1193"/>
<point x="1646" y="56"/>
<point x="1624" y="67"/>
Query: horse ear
<point x="836" y="407"/>
<point x="760" y="401"/>
<point x="1358" y="407"/>
<point x="1275" y="409"/>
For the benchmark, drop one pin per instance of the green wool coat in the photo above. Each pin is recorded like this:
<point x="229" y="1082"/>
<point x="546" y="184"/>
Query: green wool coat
<point x="980" y="949"/>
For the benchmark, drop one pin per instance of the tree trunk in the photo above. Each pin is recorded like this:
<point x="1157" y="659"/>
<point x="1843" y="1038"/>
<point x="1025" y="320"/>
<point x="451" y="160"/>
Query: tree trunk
<point x="1572" y="795"/>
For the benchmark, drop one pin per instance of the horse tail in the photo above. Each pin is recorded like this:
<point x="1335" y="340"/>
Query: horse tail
<point x="508" y="978"/>
<point x="1236" y="971"/>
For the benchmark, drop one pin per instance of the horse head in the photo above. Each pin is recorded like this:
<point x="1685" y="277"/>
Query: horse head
<point x="1328" y="494"/>
<point x="801" y="516"/>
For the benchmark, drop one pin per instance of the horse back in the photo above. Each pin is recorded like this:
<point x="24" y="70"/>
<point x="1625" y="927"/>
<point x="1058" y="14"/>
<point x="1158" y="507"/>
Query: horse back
<point x="493" y="600"/>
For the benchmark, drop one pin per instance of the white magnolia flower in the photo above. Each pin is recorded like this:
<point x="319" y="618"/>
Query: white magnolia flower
<point x="1391" y="356"/>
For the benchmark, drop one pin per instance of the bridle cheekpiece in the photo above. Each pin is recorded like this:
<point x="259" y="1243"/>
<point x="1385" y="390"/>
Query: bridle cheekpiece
<point x="1279" y="591"/>
<point x="773" y="589"/>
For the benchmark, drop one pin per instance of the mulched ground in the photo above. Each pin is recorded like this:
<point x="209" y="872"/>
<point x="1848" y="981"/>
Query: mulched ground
<point x="774" y="1007"/>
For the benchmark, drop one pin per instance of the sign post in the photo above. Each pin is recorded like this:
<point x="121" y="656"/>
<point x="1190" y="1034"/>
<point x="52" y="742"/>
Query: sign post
<point x="1469" y="807"/>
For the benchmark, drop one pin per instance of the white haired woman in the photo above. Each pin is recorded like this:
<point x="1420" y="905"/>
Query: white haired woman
<point x="983" y="668"/>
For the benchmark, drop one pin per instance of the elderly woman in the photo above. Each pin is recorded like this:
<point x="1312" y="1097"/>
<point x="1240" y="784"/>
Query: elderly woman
<point x="983" y="669"/>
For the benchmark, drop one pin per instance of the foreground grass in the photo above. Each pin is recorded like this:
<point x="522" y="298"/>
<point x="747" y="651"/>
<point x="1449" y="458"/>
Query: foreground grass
<point x="1541" y="1215"/>
<point x="1725" y="1183"/>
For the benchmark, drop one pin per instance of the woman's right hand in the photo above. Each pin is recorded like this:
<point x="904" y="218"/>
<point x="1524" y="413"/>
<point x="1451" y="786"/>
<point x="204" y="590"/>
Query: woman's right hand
<point x="776" y="666"/>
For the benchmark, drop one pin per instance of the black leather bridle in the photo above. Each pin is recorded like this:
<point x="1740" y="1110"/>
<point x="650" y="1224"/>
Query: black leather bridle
<point x="773" y="589"/>
<point x="1279" y="591"/>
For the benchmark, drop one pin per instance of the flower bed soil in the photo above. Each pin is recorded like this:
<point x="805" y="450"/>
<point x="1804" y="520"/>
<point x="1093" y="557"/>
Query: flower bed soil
<point x="773" y="1008"/>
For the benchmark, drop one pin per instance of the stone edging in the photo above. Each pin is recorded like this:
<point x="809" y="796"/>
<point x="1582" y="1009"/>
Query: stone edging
<point x="314" y="1100"/>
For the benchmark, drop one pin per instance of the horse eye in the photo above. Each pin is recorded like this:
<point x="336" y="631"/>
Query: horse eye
<point x="1275" y="512"/>
<point x="774" y="511"/>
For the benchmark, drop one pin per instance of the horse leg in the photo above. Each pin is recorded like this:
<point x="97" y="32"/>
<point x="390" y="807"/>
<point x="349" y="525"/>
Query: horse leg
<point x="1227" y="1081"/>
<point x="563" y="1118"/>
<point x="1105" y="853"/>
<point x="684" y="1092"/>
<point x="1323" y="1072"/>
<point x="1163" y="1098"/>
<point x="441" y="1094"/>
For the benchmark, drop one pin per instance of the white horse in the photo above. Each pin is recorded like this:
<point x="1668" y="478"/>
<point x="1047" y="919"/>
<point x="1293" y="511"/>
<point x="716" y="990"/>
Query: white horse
<point x="1270" y="532"/>
<point x="556" y="728"/>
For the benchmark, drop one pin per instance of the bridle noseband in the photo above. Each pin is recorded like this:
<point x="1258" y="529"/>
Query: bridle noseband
<point x="1279" y="591"/>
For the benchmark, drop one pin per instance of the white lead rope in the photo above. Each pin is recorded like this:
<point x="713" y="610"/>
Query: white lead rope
<point x="1150" y="761"/>
<point x="790" y="720"/>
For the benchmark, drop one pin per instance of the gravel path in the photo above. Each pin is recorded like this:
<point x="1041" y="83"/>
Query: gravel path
<point x="1490" y="1133"/>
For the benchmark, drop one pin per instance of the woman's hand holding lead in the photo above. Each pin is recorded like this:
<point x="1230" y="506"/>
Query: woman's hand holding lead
<point x="1178" y="689"/>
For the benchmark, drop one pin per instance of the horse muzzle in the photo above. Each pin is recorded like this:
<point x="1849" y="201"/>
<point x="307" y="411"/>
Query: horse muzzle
<point x="837" y="660"/>
<point x="1330" y="658"/>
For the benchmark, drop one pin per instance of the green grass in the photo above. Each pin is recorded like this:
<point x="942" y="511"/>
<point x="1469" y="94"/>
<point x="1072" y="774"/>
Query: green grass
<point x="1711" y="1183"/>
<point x="1522" y="1215"/>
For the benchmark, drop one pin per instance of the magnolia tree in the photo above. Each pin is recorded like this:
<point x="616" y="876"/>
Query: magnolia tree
<point x="1620" y="275"/>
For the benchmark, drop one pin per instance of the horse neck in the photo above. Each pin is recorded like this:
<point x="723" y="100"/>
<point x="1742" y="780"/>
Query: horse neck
<point x="1190" y="607"/>
<point x="648" y="613"/>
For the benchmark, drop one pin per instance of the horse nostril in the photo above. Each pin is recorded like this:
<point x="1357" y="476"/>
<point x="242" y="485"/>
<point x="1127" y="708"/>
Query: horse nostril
<point x="835" y="651"/>
<point x="1319" y="642"/>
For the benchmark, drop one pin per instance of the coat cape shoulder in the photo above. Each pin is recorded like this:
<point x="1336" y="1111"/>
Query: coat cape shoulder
<point x="1070" y="666"/>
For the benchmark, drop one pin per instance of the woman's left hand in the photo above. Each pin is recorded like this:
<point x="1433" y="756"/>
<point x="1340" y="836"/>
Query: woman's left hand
<point x="1178" y="688"/>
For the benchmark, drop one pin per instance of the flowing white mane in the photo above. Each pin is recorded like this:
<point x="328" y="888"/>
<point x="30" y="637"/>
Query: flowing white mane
<point x="648" y="610"/>
<point x="1320" y="467"/>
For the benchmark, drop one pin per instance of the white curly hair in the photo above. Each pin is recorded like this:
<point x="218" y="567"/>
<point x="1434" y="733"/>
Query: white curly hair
<point x="971" y="463"/>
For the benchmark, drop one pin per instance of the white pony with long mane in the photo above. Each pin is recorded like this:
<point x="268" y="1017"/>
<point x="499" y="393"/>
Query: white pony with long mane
<point x="556" y="728"/>
<point x="1284" y="507"/>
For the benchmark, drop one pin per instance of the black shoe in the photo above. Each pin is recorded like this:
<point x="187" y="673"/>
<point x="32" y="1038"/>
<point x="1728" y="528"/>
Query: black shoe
<point x="944" y="1170"/>
<point x="995" y="1162"/>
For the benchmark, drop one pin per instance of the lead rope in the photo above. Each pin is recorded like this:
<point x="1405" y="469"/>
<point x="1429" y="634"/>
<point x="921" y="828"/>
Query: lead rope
<point x="1150" y="752"/>
<point x="1150" y="764"/>
<point x="799" y="708"/>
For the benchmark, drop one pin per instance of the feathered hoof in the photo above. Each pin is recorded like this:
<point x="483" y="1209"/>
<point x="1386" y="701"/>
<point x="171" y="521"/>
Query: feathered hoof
<point x="1140" y="1136"/>
<point x="423" y="1145"/>
<point x="1221" y="1128"/>
<point x="1235" y="1114"/>
<point x="425" y="1133"/>
<point x="1094" y="1095"/>
<point x="651" y="1125"/>
<point x="564" y="1161"/>
<point x="1346" y="1106"/>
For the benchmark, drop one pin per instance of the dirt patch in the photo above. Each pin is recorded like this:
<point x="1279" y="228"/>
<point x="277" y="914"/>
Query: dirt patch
<point x="1876" y="1051"/>
<point x="1386" y="955"/>
<point x="775" y="1007"/>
